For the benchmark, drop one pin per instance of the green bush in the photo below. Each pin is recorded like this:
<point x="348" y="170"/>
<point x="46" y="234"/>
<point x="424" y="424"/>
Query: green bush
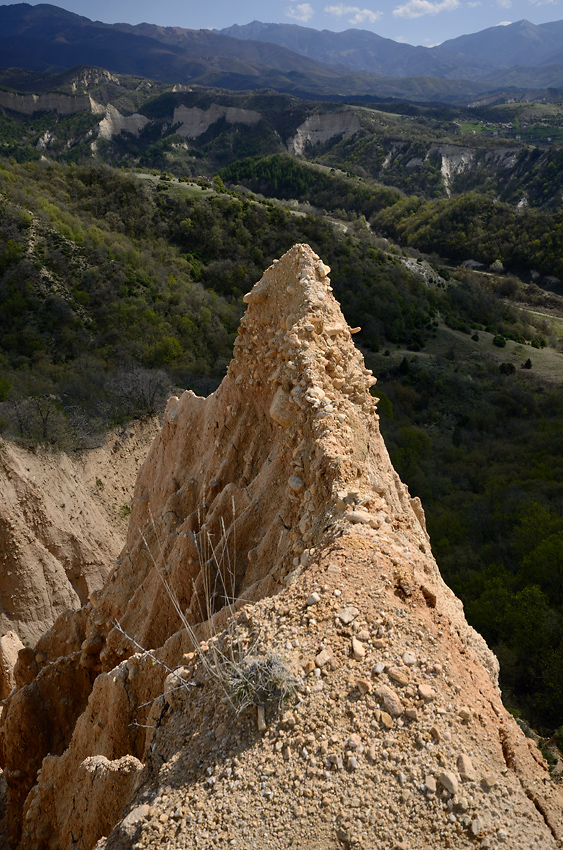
<point x="5" y="387"/>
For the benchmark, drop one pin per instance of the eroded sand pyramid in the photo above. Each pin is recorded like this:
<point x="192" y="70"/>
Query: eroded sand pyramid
<point x="396" y="738"/>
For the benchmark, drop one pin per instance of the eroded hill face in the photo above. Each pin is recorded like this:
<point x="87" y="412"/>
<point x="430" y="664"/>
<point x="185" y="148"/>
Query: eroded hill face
<point x="275" y="496"/>
<point x="62" y="526"/>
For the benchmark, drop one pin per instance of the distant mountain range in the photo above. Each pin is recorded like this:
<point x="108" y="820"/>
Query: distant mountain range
<point x="293" y="59"/>
<point x="469" y="57"/>
<point x="362" y="50"/>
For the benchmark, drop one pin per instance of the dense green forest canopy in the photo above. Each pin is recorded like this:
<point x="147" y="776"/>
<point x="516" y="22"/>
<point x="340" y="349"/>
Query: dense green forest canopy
<point x="116" y="285"/>
<point x="469" y="226"/>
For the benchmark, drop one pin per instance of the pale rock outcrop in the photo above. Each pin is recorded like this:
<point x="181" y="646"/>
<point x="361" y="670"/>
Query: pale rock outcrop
<point x="88" y="76"/>
<point x="275" y="496"/>
<point x="10" y="645"/>
<point x="455" y="160"/>
<point x="318" y="129"/>
<point x="194" y="121"/>
<point x="114" y="123"/>
<point x="46" y="140"/>
<point x="62" y="526"/>
<point x="64" y="104"/>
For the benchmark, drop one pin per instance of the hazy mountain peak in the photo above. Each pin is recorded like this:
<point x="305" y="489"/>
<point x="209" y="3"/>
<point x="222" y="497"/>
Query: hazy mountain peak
<point x="241" y="57"/>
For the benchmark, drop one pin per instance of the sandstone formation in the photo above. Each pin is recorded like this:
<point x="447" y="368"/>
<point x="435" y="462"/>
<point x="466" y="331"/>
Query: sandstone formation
<point x="194" y="121"/>
<point x="113" y="123"/>
<point x="270" y="515"/>
<point x="10" y="645"/>
<point x="64" y="104"/>
<point x="318" y="129"/>
<point x="455" y="160"/>
<point x="61" y="526"/>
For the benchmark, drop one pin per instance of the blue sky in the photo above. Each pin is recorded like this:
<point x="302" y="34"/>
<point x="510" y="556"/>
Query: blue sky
<point x="424" y="22"/>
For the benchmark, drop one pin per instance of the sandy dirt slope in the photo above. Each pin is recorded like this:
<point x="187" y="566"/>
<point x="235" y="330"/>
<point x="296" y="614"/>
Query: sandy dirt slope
<point x="275" y="492"/>
<point x="62" y="524"/>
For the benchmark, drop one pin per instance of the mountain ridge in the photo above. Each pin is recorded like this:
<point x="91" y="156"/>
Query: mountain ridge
<point x="361" y="50"/>
<point x="473" y="57"/>
<point x="509" y="43"/>
<point x="44" y="38"/>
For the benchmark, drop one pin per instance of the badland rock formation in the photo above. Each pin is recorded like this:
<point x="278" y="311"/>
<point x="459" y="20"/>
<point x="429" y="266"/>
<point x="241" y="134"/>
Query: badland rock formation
<point x="321" y="128"/>
<point x="274" y="496"/>
<point x="113" y="123"/>
<point x="192" y="121"/>
<point x="195" y="122"/>
<point x="61" y="526"/>
<point x="64" y="104"/>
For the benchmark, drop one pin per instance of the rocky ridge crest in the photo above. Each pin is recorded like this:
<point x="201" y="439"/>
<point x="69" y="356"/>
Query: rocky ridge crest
<point x="397" y="736"/>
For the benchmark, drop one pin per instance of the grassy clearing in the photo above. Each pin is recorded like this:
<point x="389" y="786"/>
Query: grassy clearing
<point x="470" y="127"/>
<point x="173" y="184"/>
<point x="449" y="344"/>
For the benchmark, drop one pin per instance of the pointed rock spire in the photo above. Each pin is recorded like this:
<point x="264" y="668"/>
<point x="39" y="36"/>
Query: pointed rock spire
<point x="275" y="493"/>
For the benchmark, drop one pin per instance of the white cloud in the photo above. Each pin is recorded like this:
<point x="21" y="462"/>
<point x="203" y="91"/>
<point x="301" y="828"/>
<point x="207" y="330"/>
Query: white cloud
<point x="356" y="15"/>
<point x="543" y="2"/>
<point x="302" y="12"/>
<point x="504" y="4"/>
<point x="418" y="8"/>
<point x="504" y="23"/>
<point x="474" y="4"/>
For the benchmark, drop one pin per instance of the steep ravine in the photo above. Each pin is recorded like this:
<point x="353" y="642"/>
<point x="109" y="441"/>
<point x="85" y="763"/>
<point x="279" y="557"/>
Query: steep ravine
<point x="396" y="737"/>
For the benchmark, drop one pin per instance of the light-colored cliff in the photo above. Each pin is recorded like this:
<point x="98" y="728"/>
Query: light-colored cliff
<point x="318" y="129"/>
<point x="113" y="123"/>
<point x="275" y="495"/>
<point x="194" y="121"/>
<point x="64" y="104"/>
<point x="455" y="160"/>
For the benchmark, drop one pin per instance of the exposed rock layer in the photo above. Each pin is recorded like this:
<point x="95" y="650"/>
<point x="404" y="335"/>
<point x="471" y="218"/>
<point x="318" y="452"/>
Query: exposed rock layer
<point x="318" y="129"/>
<point x="61" y="526"/>
<point x="114" y="123"/>
<point x="277" y="492"/>
<point x="194" y="121"/>
<point x="10" y="645"/>
<point x="64" y="104"/>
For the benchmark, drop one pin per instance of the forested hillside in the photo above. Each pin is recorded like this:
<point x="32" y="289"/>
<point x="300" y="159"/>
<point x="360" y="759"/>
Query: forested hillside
<point x="101" y="268"/>
<point x="509" y="152"/>
<point x="471" y="225"/>
<point x="117" y="284"/>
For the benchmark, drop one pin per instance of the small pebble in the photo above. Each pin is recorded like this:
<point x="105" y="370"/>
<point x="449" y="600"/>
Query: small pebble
<point x="358" y="649"/>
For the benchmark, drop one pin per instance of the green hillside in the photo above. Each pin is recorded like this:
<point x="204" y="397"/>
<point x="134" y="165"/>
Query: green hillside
<point x="118" y="283"/>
